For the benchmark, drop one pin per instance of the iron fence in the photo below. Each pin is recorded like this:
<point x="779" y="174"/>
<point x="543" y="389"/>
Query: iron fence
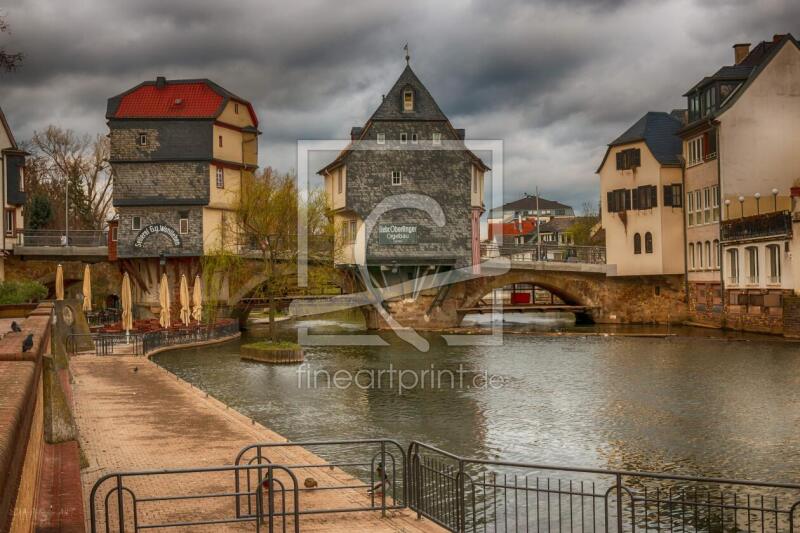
<point x="161" y="499"/>
<point x="546" y="252"/>
<point x="470" y="495"/>
<point x="778" y="224"/>
<point x="121" y="343"/>
<point x="103" y="317"/>
<point x="44" y="237"/>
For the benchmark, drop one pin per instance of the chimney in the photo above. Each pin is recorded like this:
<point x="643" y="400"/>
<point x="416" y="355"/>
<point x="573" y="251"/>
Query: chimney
<point x="740" y="51"/>
<point x="777" y="37"/>
<point x="161" y="82"/>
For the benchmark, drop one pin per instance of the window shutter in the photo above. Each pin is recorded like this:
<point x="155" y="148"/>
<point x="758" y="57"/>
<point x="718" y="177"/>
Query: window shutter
<point x="610" y="202"/>
<point x="635" y="203"/>
<point x="667" y="195"/>
<point x="627" y="193"/>
<point x="637" y="157"/>
<point x="619" y="160"/>
<point x="653" y="196"/>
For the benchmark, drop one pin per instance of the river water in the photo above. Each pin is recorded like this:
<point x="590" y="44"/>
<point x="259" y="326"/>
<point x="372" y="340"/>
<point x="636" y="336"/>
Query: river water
<point x="699" y="402"/>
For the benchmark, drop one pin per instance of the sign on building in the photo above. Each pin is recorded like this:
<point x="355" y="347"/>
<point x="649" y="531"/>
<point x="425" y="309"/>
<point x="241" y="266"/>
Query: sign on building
<point x="152" y="229"/>
<point x="397" y="234"/>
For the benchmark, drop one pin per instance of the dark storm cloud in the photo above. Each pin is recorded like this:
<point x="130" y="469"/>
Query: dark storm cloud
<point x="555" y="80"/>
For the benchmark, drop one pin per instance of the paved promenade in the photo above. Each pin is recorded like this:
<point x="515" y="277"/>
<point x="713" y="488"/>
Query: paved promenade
<point x="133" y="415"/>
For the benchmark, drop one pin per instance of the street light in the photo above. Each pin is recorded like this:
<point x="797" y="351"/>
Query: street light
<point x="727" y="209"/>
<point x="758" y="203"/>
<point x="775" y="199"/>
<point x="741" y="207"/>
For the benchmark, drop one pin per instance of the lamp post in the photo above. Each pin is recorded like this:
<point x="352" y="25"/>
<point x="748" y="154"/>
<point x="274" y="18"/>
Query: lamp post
<point x="741" y="207"/>
<point x="727" y="209"/>
<point x="775" y="200"/>
<point x="66" y="212"/>
<point x="758" y="203"/>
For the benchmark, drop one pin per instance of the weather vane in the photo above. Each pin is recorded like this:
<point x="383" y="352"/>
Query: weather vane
<point x="408" y="57"/>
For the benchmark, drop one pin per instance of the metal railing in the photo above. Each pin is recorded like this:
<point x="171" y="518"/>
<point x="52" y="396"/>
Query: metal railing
<point x="46" y="237"/>
<point x="459" y="494"/>
<point x="136" y="343"/>
<point x="103" y="317"/>
<point x="151" y="499"/>
<point x="546" y="252"/>
<point x="778" y="224"/>
<point x="471" y="495"/>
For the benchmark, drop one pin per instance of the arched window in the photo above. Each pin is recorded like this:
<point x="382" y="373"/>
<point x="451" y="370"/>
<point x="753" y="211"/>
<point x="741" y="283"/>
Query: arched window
<point x="637" y="243"/>
<point x="648" y="243"/>
<point x="699" y="250"/>
<point x="774" y="263"/>
<point x="708" y="255"/>
<point x="751" y="264"/>
<point x="691" y="256"/>
<point x="733" y="266"/>
<point x="717" y="254"/>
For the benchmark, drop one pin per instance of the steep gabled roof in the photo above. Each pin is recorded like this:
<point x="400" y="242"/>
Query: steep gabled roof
<point x="425" y="107"/>
<point x="529" y="203"/>
<point x="200" y="98"/>
<point x="658" y="130"/>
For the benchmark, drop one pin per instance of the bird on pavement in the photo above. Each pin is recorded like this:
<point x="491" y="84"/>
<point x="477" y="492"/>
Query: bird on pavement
<point x="27" y="344"/>
<point x="15" y="327"/>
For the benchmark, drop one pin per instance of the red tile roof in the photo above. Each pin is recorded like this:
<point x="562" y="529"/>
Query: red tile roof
<point x="513" y="228"/>
<point x="195" y="100"/>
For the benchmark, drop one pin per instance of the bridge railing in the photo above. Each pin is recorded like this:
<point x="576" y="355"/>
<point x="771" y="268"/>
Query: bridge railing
<point x="546" y="252"/>
<point x="47" y="237"/>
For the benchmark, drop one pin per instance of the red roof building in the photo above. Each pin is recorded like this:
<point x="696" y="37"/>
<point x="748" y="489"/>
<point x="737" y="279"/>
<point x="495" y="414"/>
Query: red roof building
<point x="513" y="231"/>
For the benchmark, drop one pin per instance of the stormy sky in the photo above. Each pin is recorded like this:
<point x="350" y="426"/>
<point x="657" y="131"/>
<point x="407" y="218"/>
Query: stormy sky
<point x="556" y="80"/>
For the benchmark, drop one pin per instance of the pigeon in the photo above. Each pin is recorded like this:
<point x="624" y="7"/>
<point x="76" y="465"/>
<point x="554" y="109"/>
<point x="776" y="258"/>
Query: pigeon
<point x="136" y="369"/>
<point x="15" y="327"/>
<point x="27" y="344"/>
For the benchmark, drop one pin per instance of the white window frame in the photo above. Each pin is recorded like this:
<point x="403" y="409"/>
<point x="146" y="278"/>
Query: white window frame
<point x="773" y="253"/>
<point x="715" y="203"/>
<point x="183" y="226"/>
<point x="694" y="151"/>
<point x="220" y="175"/>
<point x="408" y="100"/>
<point x="134" y="225"/>
<point x="733" y="266"/>
<point x="11" y="221"/>
<point x="690" y="208"/>
<point x="436" y="138"/>
<point x="142" y="140"/>
<point x="381" y="138"/>
<point x="692" y="259"/>
<point x="397" y="177"/>
<point x="404" y="138"/>
<point x="751" y="264"/>
<point x="114" y="234"/>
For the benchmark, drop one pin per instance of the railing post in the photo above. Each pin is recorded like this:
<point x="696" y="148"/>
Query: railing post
<point x="619" y="503"/>
<point x="384" y="476"/>
<point x="120" y="510"/>
<point x="462" y="499"/>
<point x="271" y="499"/>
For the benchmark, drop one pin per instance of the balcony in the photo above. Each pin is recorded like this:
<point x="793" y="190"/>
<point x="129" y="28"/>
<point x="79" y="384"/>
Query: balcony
<point x="756" y="227"/>
<point x="55" y="244"/>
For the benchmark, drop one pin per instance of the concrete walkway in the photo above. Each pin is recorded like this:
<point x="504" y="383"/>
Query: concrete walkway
<point x="134" y="415"/>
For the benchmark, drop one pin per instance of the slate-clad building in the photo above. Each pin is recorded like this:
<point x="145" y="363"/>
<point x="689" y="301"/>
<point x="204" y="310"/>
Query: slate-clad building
<point x="407" y="147"/>
<point x="179" y="150"/>
<point x="12" y="179"/>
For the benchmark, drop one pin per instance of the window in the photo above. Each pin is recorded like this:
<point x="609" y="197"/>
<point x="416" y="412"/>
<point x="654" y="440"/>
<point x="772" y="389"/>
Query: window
<point x="698" y="206"/>
<point x="694" y="107"/>
<point x="339" y="181"/>
<point x="404" y="138"/>
<point x="715" y="203"/>
<point x="183" y="224"/>
<point x="699" y="249"/>
<point x="136" y="223"/>
<point x="733" y="266"/>
<point x="474" y="180"/>
<point x="618" y="200"/>
<point x="142" y="141"/>
<point x="774" y="263"/>
<point x="648" y="243"/>
<point x="381" y="138"/>
<point x="437" y="138"/>
<point x="220" y="141"/>
<point x="637" y="243"/>
<point x="751" y="264"/>
<point x="710" y="141"/>
<point x="408" y="100"/>
<point x="694" y="151"/>
<point x="690" y="208"/>
<point x="629" y="159"/>
<point x="414" y="138"/>
<point x="645" y="197"/>
<point x="673" y="195"/>
<point x="717" y="253"/>
<point x="692" y="262"/>
<point x="220" y="178"/>
<point x="709" y="263"/>
<point x="236" y="107"/>
<point x="113" y="234"/>
<point x="397" y="177"/>
<point x="11" y="219"/>
<point x="349" y="231"/>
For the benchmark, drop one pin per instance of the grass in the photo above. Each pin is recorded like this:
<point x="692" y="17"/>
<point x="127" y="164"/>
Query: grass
<point x="267" y="345"/>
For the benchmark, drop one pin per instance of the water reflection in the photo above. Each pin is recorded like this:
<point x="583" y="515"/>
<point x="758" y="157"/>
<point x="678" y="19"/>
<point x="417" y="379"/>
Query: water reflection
<point x="685" y="403"/>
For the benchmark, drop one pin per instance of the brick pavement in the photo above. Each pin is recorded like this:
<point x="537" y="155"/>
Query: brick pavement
<point x="148" y="419"/>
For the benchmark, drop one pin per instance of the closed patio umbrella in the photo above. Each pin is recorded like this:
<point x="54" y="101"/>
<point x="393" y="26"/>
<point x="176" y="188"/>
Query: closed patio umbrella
<point x="163" y="300"/>
<point x="59" y="282"/>
<point x="186" y="314"/>
<point x="127" y="304"/>
<point x="87" y="289"/>
<point x="197" y="299"/>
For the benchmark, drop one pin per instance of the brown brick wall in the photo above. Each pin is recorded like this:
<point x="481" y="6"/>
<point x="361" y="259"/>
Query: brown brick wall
<point x="791" y="316"/>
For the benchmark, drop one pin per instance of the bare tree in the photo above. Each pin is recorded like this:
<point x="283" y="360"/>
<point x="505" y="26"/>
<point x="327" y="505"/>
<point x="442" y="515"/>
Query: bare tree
<point x="8" y="60"/>
<point x="60" y="157"/>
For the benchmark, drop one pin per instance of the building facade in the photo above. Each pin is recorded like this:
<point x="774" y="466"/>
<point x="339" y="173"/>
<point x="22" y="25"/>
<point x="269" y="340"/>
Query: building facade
<point x="12" y="178"/>
<point x="407" y="171"/>
<point x="529" y="206"/>
<point x="641" y="192"/>
<point x="742" y="165"/>
<point x="179" y="152"/>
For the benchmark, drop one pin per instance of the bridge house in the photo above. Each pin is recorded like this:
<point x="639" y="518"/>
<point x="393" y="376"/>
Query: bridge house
<point x="12" y="188"/>
<point x="407" y="147"/>
<point x="179" y="151"/>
